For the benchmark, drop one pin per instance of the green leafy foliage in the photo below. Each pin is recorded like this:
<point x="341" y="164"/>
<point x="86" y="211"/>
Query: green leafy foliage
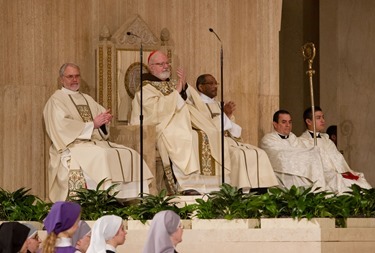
<point x="296" y="202"/>
<point x="97" y="202"/>
<point x="226" y="203"/>
<point x="20" y="205"/>
<point x="149" y="205"/>
<point x="359" y="202"/>
<point x="362" y="202"/>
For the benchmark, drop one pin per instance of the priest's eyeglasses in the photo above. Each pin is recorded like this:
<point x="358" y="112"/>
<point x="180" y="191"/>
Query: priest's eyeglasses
<point x="71" y="77"/>
<point x="161" y="64"/>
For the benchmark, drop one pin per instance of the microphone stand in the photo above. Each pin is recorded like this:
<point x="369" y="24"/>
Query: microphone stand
<point x="221" y="105"/>
<point x="222" y="111"/>
<point x="141" y="119"/>
<point x="141" y="112"/>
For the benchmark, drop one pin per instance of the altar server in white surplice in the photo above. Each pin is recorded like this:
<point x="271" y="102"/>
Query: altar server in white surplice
<point x="292" y="161"/>
<point x="250" y="165"/>
<point x="80" y="153"/>
<point x="338" y="174"/>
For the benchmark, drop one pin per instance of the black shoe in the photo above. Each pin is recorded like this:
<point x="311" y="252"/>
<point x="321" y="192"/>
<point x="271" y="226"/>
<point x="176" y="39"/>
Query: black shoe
<point x="190" y="192"/>
<point x="259" y="191"/>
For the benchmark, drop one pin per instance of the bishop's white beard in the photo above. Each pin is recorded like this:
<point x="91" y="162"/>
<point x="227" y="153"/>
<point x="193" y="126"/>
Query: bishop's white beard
<point x="164" y="75"/>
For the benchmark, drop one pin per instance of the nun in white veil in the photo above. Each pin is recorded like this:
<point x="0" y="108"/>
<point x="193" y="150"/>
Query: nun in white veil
<point x="107" y="233"/>
<point x="165" y="233"/>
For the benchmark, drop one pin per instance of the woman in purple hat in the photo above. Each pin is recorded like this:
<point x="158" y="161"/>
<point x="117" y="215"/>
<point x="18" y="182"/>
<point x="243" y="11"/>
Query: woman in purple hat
<point x="61" y="223"/>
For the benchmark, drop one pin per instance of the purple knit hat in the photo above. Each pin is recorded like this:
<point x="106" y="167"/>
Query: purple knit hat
<point x="62" y="216"/>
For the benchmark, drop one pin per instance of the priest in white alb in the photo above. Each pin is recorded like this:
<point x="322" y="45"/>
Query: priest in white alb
<point x="339" y="176"/>
<point x="292" y="161"/>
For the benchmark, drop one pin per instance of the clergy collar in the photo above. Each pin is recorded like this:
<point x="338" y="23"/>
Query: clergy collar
<point x="283" y="136"/>
<point x="312" y="134"/>
<point x="67" y="91"/>
<point x="206" y="99"/>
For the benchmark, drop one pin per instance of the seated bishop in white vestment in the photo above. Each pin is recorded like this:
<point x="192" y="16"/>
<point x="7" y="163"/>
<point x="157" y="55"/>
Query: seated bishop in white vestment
<point x="78" y="128"/>
<point x="250" y="165"/>
<point x="188" y="144"/>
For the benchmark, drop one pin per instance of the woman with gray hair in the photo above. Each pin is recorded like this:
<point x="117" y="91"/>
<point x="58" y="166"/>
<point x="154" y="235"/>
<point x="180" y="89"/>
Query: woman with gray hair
<point x="165" y="233"/>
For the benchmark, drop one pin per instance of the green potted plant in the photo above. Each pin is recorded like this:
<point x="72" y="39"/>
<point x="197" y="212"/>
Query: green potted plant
<point x="227" y="207"/>
<point x="145" y="208"/>
<point x="98" y="202"/>
<point x="356" y="208"/>
<point x="296" y="207"/>
<point x="22" y="206"/>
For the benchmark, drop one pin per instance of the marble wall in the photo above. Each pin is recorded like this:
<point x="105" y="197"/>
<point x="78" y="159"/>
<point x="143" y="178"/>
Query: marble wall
<point x="39" y="35"/>
<point x="299" y="25"/>
<point x="347" y="78"/>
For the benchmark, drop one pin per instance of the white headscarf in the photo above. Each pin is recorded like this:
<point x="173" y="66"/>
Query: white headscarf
<point x="104" y="229"/>
<point x="163" y="225"/>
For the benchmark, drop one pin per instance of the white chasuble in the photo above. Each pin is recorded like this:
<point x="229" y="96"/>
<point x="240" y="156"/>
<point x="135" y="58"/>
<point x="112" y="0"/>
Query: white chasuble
<point x="68" y="116"/>
<point x="186" y="145"/>
<point x="250" y="166"/>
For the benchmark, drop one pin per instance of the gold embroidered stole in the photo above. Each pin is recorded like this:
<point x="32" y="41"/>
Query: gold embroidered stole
<point x="165" y="87"/>
<point x="214" y="109"/>
<point x="83" y="110"/>
<point x="207" y="163"/>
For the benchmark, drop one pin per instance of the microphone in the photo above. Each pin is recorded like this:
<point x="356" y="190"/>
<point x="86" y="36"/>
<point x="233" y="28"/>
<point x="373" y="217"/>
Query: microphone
<point x="132" y="34"/>
<point x="217" y="36"/>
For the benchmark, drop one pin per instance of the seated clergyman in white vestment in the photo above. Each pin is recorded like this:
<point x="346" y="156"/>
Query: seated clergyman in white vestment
<point x="292" y="161"/>
<point x="191" y="158"/>
<point x="250" y="165"/>
<point x="80" y="153"/>
<point x="338" y="174"/>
